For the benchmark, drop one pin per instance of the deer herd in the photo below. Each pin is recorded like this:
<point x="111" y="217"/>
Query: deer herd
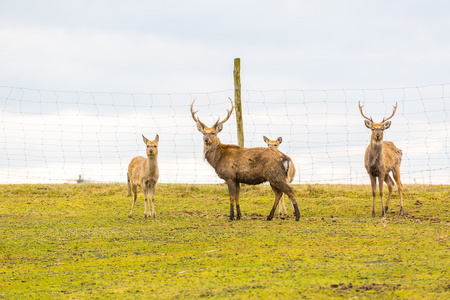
<point x="236" y="165"/>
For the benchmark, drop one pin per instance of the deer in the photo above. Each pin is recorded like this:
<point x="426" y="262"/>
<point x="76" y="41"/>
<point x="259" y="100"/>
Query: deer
<point x="380" y="159"/>
<point x="273" y="144"/>
<point x="236" y="165"/>
<point x="144" y="173"/>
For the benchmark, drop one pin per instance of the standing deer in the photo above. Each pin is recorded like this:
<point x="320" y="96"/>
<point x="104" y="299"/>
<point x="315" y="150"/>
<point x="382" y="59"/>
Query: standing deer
<point x="144" y="172"/>
<point x="380" y="159"/>
<point x="237" y="165"/>
<point x="273" y="144"/>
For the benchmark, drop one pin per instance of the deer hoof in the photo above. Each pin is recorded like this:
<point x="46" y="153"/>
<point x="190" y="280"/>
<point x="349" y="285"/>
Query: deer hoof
<point x="269" y="218"/>
<point x="400" y="213"/>
<point x="386" y="208"/>
<point x="130" y="216"/>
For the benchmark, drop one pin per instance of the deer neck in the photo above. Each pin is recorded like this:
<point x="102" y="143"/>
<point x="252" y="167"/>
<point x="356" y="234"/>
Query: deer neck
<point x="152" y="165"/>
<point x="213" y="154"/>
<point x="376" y="158"/>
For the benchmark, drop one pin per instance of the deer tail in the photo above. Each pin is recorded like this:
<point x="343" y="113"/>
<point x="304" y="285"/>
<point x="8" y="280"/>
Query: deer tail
<point x="286" y="165"/>
<point x="289" y="168"/>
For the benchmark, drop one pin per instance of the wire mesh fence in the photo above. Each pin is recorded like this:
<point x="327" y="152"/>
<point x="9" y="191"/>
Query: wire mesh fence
<point x="58" y="136"/>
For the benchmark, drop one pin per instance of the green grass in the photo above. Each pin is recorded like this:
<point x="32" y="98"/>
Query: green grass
<point x="76" y="241"/>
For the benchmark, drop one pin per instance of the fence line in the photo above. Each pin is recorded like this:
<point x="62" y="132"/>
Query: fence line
<point x="53" y="136"/>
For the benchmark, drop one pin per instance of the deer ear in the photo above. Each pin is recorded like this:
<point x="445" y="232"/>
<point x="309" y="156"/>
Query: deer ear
<point x="266" y="140"/>
<point x="386" y="125"/>
<point x="145" y="139"/>
<point x="280" y="140"/>
<point x="368" y="124"/>
<point x="157" y="138"/>
<point x="218" y="127"/>
<point x="200" y="127"/>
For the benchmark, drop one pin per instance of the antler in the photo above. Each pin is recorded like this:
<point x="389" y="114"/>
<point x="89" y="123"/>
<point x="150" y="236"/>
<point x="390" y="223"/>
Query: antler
<point x="228" y="115"/>
<point x="197" y="120"/>
<point x="360" y="109"/>
<point x="395" y="109"/>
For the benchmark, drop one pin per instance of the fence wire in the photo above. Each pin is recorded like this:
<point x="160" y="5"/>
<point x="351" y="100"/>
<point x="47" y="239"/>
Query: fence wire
<point x="59" y="136"/>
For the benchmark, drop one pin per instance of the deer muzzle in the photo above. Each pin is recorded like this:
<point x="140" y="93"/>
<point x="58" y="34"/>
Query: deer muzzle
<point x="207" y="141"/>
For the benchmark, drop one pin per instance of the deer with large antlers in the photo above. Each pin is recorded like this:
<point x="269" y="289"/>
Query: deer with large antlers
<point x="237" y="165"/>
<point x="274" y="145"/>
<point x="380" y="159"/>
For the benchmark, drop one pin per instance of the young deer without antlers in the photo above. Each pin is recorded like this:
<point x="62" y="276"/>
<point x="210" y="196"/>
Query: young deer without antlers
<point x="380" y="159"/>
<point x="144" y="172"/>
<point x="237" y="165"/>
<point x="273" y="144"/>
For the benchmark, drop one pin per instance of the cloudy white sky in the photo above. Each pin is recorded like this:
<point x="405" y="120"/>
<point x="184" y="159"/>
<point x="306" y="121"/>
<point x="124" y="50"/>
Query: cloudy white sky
<point x="189" y="46"/>
<point x="123" y="68"/>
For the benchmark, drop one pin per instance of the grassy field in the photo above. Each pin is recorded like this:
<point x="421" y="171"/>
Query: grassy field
<point x="76" y="241"/>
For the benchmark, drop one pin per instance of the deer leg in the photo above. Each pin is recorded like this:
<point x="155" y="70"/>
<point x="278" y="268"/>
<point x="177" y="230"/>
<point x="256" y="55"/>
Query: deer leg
<point x="284" y="187"/>
<point x="238" y="207"/>
<point x="278" y="195"/>
<point x="146" y="206"/>
<point x="279" y="208"/>
<point x="400" y="190"/>
<point x="232" y="189"/>
<point x="152" y="197"/>
<point x="134" y="188"/>
<point x="282" y="206"/>
<point x="294" y="204"/>
<point x="380" y="183"/>
<point x="373" y="182"/>
<point x="390" y="184"/>
<point x="128" y="185"/>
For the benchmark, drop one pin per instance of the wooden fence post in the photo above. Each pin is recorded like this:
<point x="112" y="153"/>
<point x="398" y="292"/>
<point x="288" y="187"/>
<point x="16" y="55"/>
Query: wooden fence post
<point x="237" y="101"/>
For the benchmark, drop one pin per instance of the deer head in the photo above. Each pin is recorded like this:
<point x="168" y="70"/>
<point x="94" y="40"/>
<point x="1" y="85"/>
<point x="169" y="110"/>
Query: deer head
<point x="377" y="128"/>
<point x="273" y="143"/>
<point x="210" y="133"/>
<point x="152" y="146"/>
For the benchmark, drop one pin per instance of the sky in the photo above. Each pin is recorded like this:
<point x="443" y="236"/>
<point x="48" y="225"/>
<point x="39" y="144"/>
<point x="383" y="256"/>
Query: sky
<point x="189" y="46"/>
<point x="124" y="68"/>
